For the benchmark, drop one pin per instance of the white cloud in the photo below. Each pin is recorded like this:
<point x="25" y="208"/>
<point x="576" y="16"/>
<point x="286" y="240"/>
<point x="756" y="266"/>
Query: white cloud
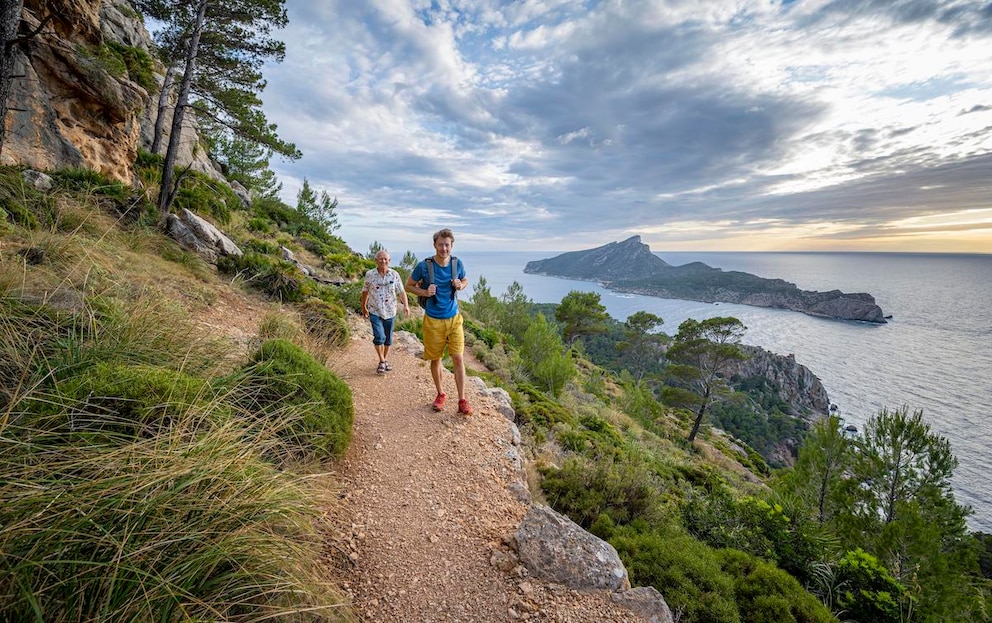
<point x="509" y="116"/>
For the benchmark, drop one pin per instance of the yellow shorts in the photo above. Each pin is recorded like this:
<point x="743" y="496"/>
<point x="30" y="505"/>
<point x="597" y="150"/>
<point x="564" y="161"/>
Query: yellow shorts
<point x="440" y="333"/>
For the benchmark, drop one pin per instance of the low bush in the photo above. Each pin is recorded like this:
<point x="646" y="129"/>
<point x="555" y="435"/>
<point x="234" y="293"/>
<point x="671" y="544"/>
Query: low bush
<point x="325" y="321"/>
<point x="260" y="225"/>
<point x="139" y="65"/>
<point x="586" y="489"/>
<point x="123" y="400"/>
<point x="347" y="264"/>
<point x="537" y="409"/>
<point x="265" y="247"/>
<point x="687" y="572"/>
<point x="757" y="527"/>
<point x="203" y="195"/>
<point x="276" y="277"/>
<point x="282" y="375"/>
<point x="868" y="591"/>
<point x="767" y="594"/>
<point x="80" y="179"/>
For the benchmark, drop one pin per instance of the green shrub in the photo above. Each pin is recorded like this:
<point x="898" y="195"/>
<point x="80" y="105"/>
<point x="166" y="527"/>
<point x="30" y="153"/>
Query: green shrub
<point x="586" y="489"/>
<point x="767" y="594"/>
<point x="203" y="195"/>
<point x="350" y="295"/>
<point x="867" y="591"/>
<point x="757" y="527"/>
<point x="260" y="225"/>
<point x="274" y="211"/>
<point x="323" y="244"/>
<point x="139" y="66"/>
<point x="126" y="399"/>
<point x="265" y="247"/>
<point x="535" y="408"/>
<point x="326" y="321"/>
<point x="282" y="375"/>
<point x="82" y="179"/>
<point x="490" y="337"/>
<point x="348" y="264"/>
<point x="275" y="277"/>
<point x="686" y="572"/>
<point x="148" y="167"/>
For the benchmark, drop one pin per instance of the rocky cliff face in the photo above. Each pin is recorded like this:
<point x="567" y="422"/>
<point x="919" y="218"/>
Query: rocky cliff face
<point x="69" y="108"/>
<point x="796" y="384"/>
<point x="629" y="266"/>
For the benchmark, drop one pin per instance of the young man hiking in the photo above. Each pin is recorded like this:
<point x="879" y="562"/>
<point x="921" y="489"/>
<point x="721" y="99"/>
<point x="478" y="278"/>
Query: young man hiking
<point x="439" y="278"/>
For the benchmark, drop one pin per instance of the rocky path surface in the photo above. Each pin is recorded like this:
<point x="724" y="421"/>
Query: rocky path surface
<point x="429" y="502"/>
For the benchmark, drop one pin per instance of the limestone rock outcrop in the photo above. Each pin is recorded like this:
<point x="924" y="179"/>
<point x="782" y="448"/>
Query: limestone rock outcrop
<point x="67" y="109"/>
<point x="796" y="384"/>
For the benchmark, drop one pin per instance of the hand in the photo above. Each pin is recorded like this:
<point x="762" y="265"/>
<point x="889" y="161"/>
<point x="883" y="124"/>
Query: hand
<point x="456" y="284"/>
<point x="432" y="289"/>
<point x="365" y="312"/>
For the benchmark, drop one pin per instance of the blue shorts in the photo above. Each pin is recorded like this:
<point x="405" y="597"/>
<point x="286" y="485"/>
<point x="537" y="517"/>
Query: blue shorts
<point x="382" y="330"/>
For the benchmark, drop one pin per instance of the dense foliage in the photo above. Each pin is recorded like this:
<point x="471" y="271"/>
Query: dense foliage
<point x="615" y="456"/>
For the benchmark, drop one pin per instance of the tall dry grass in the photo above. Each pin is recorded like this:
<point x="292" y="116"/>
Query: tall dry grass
<point x="192" y="518"/>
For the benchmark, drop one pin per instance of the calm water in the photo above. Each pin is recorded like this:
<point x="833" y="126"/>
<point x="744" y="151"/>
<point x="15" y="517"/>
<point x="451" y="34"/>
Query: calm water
<point x="934" y="354"/>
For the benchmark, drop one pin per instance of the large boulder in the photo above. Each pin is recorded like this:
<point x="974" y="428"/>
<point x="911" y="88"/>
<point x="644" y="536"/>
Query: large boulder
<point x="200" y="236"/>
<point x="554" y="548"/>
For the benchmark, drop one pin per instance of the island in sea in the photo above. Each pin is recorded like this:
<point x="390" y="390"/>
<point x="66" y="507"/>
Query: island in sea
<point x="631" y="267"/>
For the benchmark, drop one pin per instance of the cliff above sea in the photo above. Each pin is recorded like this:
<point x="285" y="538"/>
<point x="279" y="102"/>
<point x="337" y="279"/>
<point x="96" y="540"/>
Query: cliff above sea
<point x="631" y="267"/>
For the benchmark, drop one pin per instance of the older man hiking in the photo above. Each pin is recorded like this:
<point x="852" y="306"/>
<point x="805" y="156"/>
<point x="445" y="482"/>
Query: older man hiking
<point x="382" y="294"/>
<point x="439" y="278"/>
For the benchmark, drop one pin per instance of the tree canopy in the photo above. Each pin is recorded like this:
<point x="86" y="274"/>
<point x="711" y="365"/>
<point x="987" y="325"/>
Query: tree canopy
<point x="221" y="45"/>
<point x="581" y="313"/>
<point x="700" y="356"/>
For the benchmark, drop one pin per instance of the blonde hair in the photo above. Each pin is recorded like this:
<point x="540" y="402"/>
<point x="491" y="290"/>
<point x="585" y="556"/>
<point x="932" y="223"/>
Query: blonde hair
<point x="444" y="233"/>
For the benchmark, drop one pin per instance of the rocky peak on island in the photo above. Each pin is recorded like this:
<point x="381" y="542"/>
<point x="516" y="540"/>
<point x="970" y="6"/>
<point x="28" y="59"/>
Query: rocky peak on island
<point x="617" y="261"/>
<point x="630" y="266"/>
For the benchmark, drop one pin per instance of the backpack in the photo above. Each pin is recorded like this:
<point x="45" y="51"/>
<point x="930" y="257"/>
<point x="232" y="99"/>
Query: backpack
<point x="422" y="300"/>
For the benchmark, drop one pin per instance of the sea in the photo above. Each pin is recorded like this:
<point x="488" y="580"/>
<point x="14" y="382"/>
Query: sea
<point x="934" y="353"/>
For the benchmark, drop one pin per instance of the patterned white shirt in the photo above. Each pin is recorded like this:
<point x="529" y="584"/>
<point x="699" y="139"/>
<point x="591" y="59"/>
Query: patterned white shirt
<point x="383" y="292"/>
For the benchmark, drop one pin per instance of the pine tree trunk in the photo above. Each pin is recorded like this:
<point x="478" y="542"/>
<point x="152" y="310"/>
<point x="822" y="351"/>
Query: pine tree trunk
<point x="163" y="103"/>
<point x="699" y="416"/>
<point x="167" y="192"/>
<point x="10" y="17"/>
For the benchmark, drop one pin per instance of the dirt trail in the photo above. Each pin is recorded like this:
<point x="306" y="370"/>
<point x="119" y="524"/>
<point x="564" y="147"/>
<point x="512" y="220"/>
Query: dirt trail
<point x="428" y="500"/>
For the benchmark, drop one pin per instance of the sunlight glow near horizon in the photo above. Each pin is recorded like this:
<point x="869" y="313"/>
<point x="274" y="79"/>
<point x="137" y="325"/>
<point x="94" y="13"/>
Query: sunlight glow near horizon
<point x="564" y="126"/>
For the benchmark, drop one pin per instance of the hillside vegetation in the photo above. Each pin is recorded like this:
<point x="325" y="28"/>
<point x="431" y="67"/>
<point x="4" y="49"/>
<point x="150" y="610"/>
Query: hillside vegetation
<point x="152" y="469"/>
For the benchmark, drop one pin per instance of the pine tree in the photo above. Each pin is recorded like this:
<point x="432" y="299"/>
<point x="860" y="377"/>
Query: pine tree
<point x="221" y="46"/>
<point x="701" y="355"/>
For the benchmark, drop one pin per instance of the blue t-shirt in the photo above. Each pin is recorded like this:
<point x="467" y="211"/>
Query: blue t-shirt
<point x="442" y="305"/>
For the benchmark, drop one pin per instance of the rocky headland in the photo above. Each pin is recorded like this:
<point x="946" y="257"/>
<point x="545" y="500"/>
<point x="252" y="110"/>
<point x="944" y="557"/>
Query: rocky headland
<point x="631" y="267"/>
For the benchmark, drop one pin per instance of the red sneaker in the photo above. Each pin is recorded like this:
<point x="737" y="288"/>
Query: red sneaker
<point x="464" y="408"/>
<point x="439" y="401"/>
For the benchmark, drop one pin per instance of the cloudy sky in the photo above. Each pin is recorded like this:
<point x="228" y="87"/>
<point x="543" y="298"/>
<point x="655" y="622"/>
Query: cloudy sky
<point x="723" y="125"/>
